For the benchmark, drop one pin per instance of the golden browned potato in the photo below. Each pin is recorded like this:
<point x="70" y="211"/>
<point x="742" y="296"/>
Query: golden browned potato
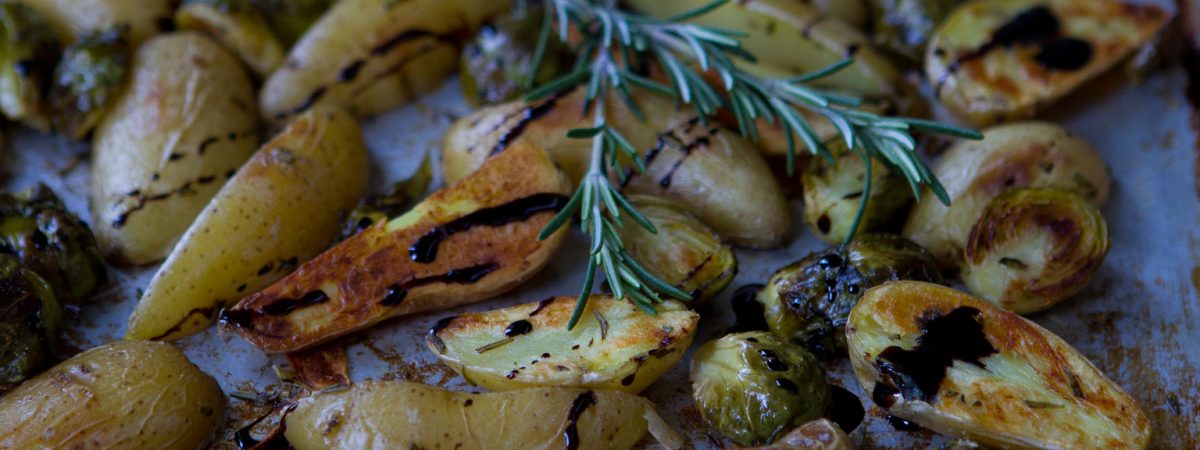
<point x="401" y="415"/>
<point x="181" y="128"/>
<point x="369" y="56"/>
<point x="615" y="345"/>
<point x="718" y="176"/>
<point x="992" y="61"/>
<point x="121" y="395"/>
<point x="833" y="194"/>
<point x="470" y="241"/>
<point x="240" y="27"/>
<point x="72" y="19"/>
<point x="283" y="207"/>
<point x="820" y="434"/>
<point x="960" y="366"/>
<point x="1029" y="154"/>
<point x="681" y="251"/>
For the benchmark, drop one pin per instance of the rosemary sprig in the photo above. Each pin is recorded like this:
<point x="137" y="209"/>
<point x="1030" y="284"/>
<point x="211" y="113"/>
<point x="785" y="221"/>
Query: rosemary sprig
<point x="614" y="42"/>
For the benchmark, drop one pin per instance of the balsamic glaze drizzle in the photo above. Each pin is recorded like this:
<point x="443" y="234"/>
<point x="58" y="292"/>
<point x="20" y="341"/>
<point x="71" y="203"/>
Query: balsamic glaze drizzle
<point x="424" y="250"/>
<point x="917" y="374"/>
<point x="747" y="309"/>
<point x="528" y="115"/>
<point x="396" y="293"/>
<point x="518" y="328"/>
<point x="571" y="432"/>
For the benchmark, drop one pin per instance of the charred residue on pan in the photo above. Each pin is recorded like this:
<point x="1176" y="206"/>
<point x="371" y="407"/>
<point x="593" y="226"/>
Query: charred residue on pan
<point x="916" y="374"/>
<point x="425" y="249"/>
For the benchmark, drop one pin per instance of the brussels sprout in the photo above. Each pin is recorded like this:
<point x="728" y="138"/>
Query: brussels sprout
<point x="51" y="241"/>
<point x="833" y="194"/>
<point x="291" y="18"/>
<point x="28" y="51"/>
<point x="1034" y="247"/>
<point x="753" y="387"/>
<point x="30" y="318"/>
<point x="684" y="252"/>
<point x="88" y="79"/>
<point x="495" y="65"/>
<point x="808" y="301"/>
<point x="903" y="27"/>
<point x="391" y="204"/>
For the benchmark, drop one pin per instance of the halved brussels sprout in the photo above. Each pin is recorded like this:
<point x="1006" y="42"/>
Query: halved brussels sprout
<point x="28" y="51"/>
<point x="88" y="79"/>
<point x="808" y="301"/>
<point x="291" y="18"/>
<point x="239" y="26"/>
<point x="1033" y="248"/>
<point x="38" y="230"/>
<point x="684" y="252"/>
<point x="30" y="318"/>
<point x="753" y="387"/>
<point x="495" y="65"/>
<point x="833" y="194"/>
<point x="903" y="27"/>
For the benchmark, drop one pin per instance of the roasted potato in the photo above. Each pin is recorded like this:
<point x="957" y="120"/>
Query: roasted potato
<point x="73" y="19"/>
<point x="289" y="19"/>
<point x="88" y="80"/>
<point x="820" y="434"/>
<point x="121" y="395"/>
<point x="833" y="194"/>
<point x="28" y="53"/>
<point x="239" y="26"/>
<point x="807" y="302"/>
<point x="470" y="241"/>
<point x="369" y="56"/>
<point x="30" y="325"/>
<point x="992" y="61"/>
<point x="45" y="237"/>
<point x="181" y="128"/>
<point x="1033" y="248"/>
<point x="1030" y="154"/>
<point x="682" y="251"/>
<point x="289" y="198"/>
<point x="615" y="345"/>
<point x="366" y="416"/>
<point x="960" y="366"/>
<point x="712" y="171"/>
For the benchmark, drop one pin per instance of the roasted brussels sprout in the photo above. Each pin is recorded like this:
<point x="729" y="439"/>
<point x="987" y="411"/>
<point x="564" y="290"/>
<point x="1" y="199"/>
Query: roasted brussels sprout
<point x="495" y="66"/>
<point x="30" y="318"/>
<point x="808" y="301"/>
<point x="754" y="387"/>
<point x="51" y="241"/>
<point x="28" y="51"/>
<point x="1033" y="248"/>
<point x="88" y="79"/>
<point x="239" y="26"/>
<point x="684" y="252"/>
<point x="903" y="27"/>
<point x="291" y="18"/>
<point x="833" y="193"/>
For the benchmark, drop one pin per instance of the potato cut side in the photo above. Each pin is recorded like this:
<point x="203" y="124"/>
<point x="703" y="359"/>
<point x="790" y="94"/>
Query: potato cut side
<point x="614" y="346"/>
<point x="243" y="32"/>
<point x="473" y="240"/>
<point x="960" y="366"/>
<point x="73" y="19"/>
<point x="281" y="209"/>
<point x="401" y="415"/>
<point x="992" y="61"/>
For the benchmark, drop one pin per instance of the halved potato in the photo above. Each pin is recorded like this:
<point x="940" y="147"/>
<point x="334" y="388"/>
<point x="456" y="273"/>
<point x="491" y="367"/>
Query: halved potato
<point x="239" y="27"/>
<point x="992" y="61"/>
<point x="369" y="56"/>
<point x="681" y="251"/>
<point x="401" y="415"/>
<point x="181" y="128"/>
<point x="1029" y="154"/>
<point x="960" y="366"/>
<point x="72" y="19"/>
<point x="820" y="434"/>
<point x="281" y="209"/>
<point x="473" y="240"/>
<point x="614" y="346"/>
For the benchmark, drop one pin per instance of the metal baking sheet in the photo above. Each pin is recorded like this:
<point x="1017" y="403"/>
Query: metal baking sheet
<point x="1139" y="320"/>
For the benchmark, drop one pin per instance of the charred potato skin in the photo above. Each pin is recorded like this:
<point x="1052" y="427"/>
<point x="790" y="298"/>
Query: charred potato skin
<point x="374" y="276"/>
<point x="72" y="19"/>
<point x="683" y="252"/>
<point x="996" y="61"/>
<point x="809" y="301"/>
<point x="126" y="395"/>
<point x="180" y="130"/>
<point x="239" y="26"/>
<point x="1027" y="388"/>
<point x="1026" y="154"/>
<point x="614" y="346"/>
<point x="833" y="194"/>
<point x="89" y="78"/>
<point x="291" y="193"/>
<point x="1033" y="248"/>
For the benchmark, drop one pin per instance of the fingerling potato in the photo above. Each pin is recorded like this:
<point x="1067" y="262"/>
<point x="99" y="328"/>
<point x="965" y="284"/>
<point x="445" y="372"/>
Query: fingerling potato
<point x="614" y="346"/>
<point x="960" y="366"/>
<point x="681" y="251"/>
<point x="833" y="194"/>
<point x="282" y="208"/>
<point x="181" y="128"/>
<point x="369" y="56"/>
<point x="470" y="241"/>
<point x="121" y="395"/>
<point x="240" y="27"/>
<point x="72" y="19"/>
<point x="366" y="416"/>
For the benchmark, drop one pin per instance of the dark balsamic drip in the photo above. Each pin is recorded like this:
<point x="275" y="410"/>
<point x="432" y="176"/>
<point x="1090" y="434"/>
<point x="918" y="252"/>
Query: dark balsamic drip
<point x="571" y="432"/>
<point x="529" y="115"/>
<point x="424" y="250"/>
<point x="787" y="385"/>
<point x="407" y="35"/>
<point x="395" y="295"/>
<point x="466" y="275"/>
<point x="287" y="305"/>
<point x="1064" y="54"/>
<point x="747" y="309"/>
<point x="916" y="374"/>
<point x="240" y="318"/>
<point x="432" y="336"/>
<point x="540" y="306"/>
<point x="518" y="328"/>
<point x="205" y="143"/>
<point x="628" y="380"/>
<point x="350" y="72"/>
<point x="1037" y="26"/>
<point x="772" y="361"/>
<point x="845" y="409"/>
<point x="141" y="200"/>
<point x="206" y="312"/>
<point x="687" y="149"/>
<point x="884" y="395"/>
<point x="903" y="424"/>
<point x="306" y="104"/>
